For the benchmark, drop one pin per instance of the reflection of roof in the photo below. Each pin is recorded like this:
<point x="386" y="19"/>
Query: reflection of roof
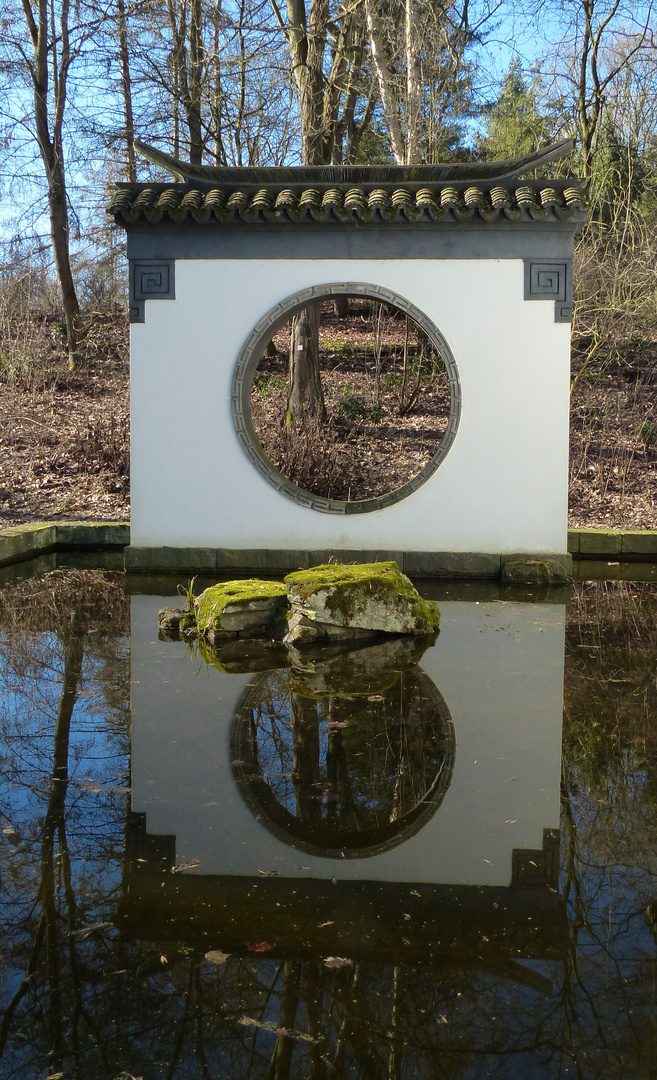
<point x="466" y="927"/>
<point x="324" y="203"/>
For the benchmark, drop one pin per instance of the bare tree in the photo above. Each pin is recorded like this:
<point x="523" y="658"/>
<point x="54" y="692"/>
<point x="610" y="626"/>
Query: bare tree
<point x="126" y="90"/>
<point x="600" y="41"/>
<point x="419" y="54"/>
<point x="48" y="25"/>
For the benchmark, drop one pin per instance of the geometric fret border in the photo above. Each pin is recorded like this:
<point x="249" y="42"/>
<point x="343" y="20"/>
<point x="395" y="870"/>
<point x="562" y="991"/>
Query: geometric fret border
<point x="537" y="868"/>
<point x="150" y="279"/>
<point x="549" y="280"/>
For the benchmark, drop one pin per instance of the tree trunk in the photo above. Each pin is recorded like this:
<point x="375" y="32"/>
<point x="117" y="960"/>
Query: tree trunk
<point x="195" y="82"/>
<point x="307" y="39"/>
<point x="126" y="90"/>
<point x="413" y="84"/>
<point x="49" y="138"/>
<point x="216" y="106"/>
<point x="305" y="394"/>
<point x="59" y="234"/>
<point x="187" y="71"/>
<point x="386" y="83"/>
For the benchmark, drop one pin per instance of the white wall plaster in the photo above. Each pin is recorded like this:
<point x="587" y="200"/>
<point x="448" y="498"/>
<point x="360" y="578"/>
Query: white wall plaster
<point x="501" y="488"/>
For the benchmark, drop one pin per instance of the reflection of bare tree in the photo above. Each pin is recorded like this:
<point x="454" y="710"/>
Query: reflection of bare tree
<point x="49" y="639"/>
<point x="94" y="1003"/>
<point x="345" y="767"/>
<point x="304" y="731"/>
<point x="54" y="832"/>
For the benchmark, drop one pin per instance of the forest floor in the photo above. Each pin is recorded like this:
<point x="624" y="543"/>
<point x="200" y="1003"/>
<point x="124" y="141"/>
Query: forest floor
<point x="64" y="437"/>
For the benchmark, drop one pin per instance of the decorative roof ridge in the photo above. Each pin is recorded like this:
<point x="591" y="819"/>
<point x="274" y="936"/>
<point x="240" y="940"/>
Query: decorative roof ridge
<point x="487" y="186"/>
<point x="468" y="172"/>
<point x="536" y="201"/>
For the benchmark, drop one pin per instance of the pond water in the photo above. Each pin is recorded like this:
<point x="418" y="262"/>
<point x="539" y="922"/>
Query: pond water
<point x="391" y="862"/>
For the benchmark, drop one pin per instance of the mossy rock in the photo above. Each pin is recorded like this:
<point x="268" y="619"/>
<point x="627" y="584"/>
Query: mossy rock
<point x="366" y="596"/>
<point x="176" y="622"/>
<point x="248" y="606"/>
<point x="170" y="618"/>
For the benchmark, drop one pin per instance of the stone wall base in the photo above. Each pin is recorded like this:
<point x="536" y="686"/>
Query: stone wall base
<point x="521" y="568"/>
<point x="27" y="541"/>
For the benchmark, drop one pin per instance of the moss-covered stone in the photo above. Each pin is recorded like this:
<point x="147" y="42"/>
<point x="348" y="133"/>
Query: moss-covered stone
<point x="251" y="606"/>
<point x="366" y="596"/>
<point x="170" y="618"/>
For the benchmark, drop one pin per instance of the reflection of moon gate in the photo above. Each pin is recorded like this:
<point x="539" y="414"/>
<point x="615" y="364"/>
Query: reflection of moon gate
<point x="478" y="878"/>
<point x="498" y="667"/>
<point x="346" y="777"/>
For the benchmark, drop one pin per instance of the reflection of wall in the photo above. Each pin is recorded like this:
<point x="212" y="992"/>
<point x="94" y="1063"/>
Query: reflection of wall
<point x="499" y="668"/>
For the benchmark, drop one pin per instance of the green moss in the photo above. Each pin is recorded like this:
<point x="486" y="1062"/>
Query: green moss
<point x="211" y="604"/>
<point x="306" y="582"/>
<point x="351" y="587"/>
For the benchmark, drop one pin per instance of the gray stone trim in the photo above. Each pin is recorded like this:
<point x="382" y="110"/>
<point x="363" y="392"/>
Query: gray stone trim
<point x="551" y="280"/>
<point x="150" y="279"/>
<point x="537" y="868"/>
<point x="251" y="355"/>
<point x="27" y="541"/>
<point x="553" y="241"/>
<point x="443" y="565"/>
<point x="536" y="568"/>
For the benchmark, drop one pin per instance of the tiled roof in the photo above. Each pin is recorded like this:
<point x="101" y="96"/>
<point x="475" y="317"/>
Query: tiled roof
<point x="449" y="172"/>
<point x="535" y="201"/>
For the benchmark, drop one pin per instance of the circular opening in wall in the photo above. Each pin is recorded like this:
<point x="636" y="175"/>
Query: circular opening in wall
<point x="343" y="776"/>
<point x="346" y="397"/>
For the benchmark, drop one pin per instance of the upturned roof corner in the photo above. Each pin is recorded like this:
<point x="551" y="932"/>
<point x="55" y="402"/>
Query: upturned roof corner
<point x="450" y="193"/>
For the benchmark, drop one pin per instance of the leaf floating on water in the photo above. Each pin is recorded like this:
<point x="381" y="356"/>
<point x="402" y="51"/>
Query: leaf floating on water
<point x="90" y="786"/>
<point x="217" y="957"/>
<point x="337" y="962"/>
<point x="269" y="1025"/>
<point x="260" y="946"/>
<point x="179" y="867"/>
<point x="268" y="873"/>
<point x="86" y="930"/>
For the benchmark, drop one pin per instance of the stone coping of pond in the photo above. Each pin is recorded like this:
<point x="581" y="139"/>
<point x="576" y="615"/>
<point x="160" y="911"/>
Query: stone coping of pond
<point x="25" y="541"/>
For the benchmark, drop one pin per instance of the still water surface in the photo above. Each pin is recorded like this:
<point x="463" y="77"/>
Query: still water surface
<point x="395" y="862"/>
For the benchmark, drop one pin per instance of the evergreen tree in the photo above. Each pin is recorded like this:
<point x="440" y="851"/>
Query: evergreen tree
<point x="515" y="124"/>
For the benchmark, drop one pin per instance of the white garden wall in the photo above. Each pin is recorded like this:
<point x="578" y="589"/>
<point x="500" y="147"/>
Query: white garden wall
<point x="502" y="487"/>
